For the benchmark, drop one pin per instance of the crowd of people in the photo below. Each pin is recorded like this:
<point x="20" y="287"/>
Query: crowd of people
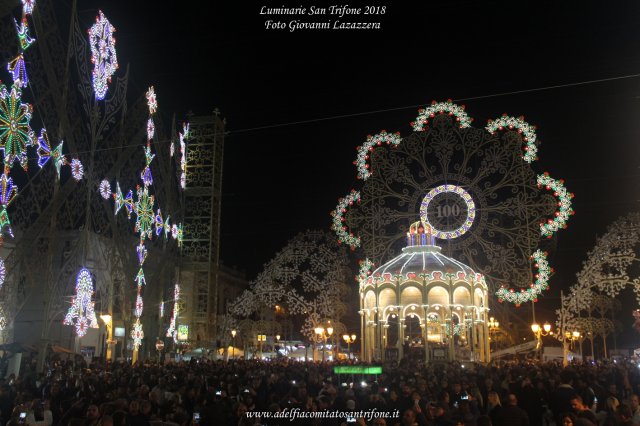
<point x="286" y="392"/>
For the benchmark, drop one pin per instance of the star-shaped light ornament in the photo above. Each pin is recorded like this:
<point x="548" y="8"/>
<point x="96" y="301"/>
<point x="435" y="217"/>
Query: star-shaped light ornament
<point x="144" y="211"/>
<point x="45" y="152"/>
<point x="15" y="129"/>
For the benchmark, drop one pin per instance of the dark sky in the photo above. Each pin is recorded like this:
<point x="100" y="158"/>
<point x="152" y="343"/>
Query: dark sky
<point x="286" y="177"/>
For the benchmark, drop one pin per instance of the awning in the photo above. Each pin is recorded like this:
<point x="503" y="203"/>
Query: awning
<point x="61" y="350"/>
<point x="17" y="347"/>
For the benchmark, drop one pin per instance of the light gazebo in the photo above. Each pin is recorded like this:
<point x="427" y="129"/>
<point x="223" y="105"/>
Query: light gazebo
<point x="424" y="299"/>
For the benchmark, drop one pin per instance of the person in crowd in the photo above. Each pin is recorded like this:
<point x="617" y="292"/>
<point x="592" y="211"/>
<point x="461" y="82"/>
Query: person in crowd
<point x="583" y="412"/>
<point x="511" y="414"/>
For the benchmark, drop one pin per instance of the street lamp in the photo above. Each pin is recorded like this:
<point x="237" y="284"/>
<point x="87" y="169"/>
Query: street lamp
<point x="349" y="340"/>
<point x="545" y="330"/>
<point x="233" y="347"/>
<point x="108" y="323"/>
<point x="494" y="325"/>
<point x="323" y="333"/>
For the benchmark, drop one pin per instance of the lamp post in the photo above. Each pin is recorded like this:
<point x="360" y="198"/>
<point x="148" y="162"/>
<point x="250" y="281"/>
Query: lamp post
<point x="349" y="340"/>
<point x="323" y="333"/>
<point x="538" y="331"/>
<point x="233" y="343"/>
<point x="494" y="326"/>
<point x="108" y="323"/>
<point x="277" y="341"/>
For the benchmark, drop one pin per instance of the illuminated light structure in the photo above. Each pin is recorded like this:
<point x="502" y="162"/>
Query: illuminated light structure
<point x="528" y="131"/>
<point x="172" y="331"/>
<point x="81" y="313"/>
<point x="422" y="298"/>
<point x="460" y="199"/>
<point x="392" y="139"/>
<point x="564" y="203"/>
<point x="103" y="54"/>
<point x="338" y="226"/>
<point x="518" y="297"/>
<point x="143" y="207"/>
<point x="15" y="129"/>
<point x="424" y="114"/>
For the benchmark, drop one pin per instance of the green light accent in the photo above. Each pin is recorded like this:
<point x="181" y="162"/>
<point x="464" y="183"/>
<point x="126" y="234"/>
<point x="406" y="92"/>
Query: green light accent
<point x="357" y="369"/>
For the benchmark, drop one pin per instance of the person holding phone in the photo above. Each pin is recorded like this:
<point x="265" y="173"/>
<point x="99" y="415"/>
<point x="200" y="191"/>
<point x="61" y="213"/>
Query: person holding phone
<point x="40" y="414"/>
<point x="18" y="415"/>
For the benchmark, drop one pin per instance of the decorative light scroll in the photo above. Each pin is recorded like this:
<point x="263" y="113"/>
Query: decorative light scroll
<point x="7" y="192"/>
<point x="103" y="54"/>
<point x="366" y="266"/>
<point x="137" y="334"/>
<point x="535" y="289"/>
<point x="152" y="103"/>
<point x="172" y="331"/>
<point x="183" y="151"/>
<point x="440" y="108"/>
<point x="564" y="203"/>
<point x="18" y="71"/>
<point x="338" y="220"/>
<point x="3" y="272"/>
<point x="373" y="141"/>
<point x="151" y="129"/>
<point x="23" y="34"/>
<point x="139" y="305"/>
<point x="27" y="6"/>
<point x="527" y="130"/>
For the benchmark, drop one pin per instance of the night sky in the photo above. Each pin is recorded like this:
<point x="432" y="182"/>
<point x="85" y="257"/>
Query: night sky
<point x="298" y="103"/>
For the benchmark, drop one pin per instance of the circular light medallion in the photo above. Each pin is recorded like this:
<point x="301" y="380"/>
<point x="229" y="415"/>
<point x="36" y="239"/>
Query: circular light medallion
<point x="449" y="210"/>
